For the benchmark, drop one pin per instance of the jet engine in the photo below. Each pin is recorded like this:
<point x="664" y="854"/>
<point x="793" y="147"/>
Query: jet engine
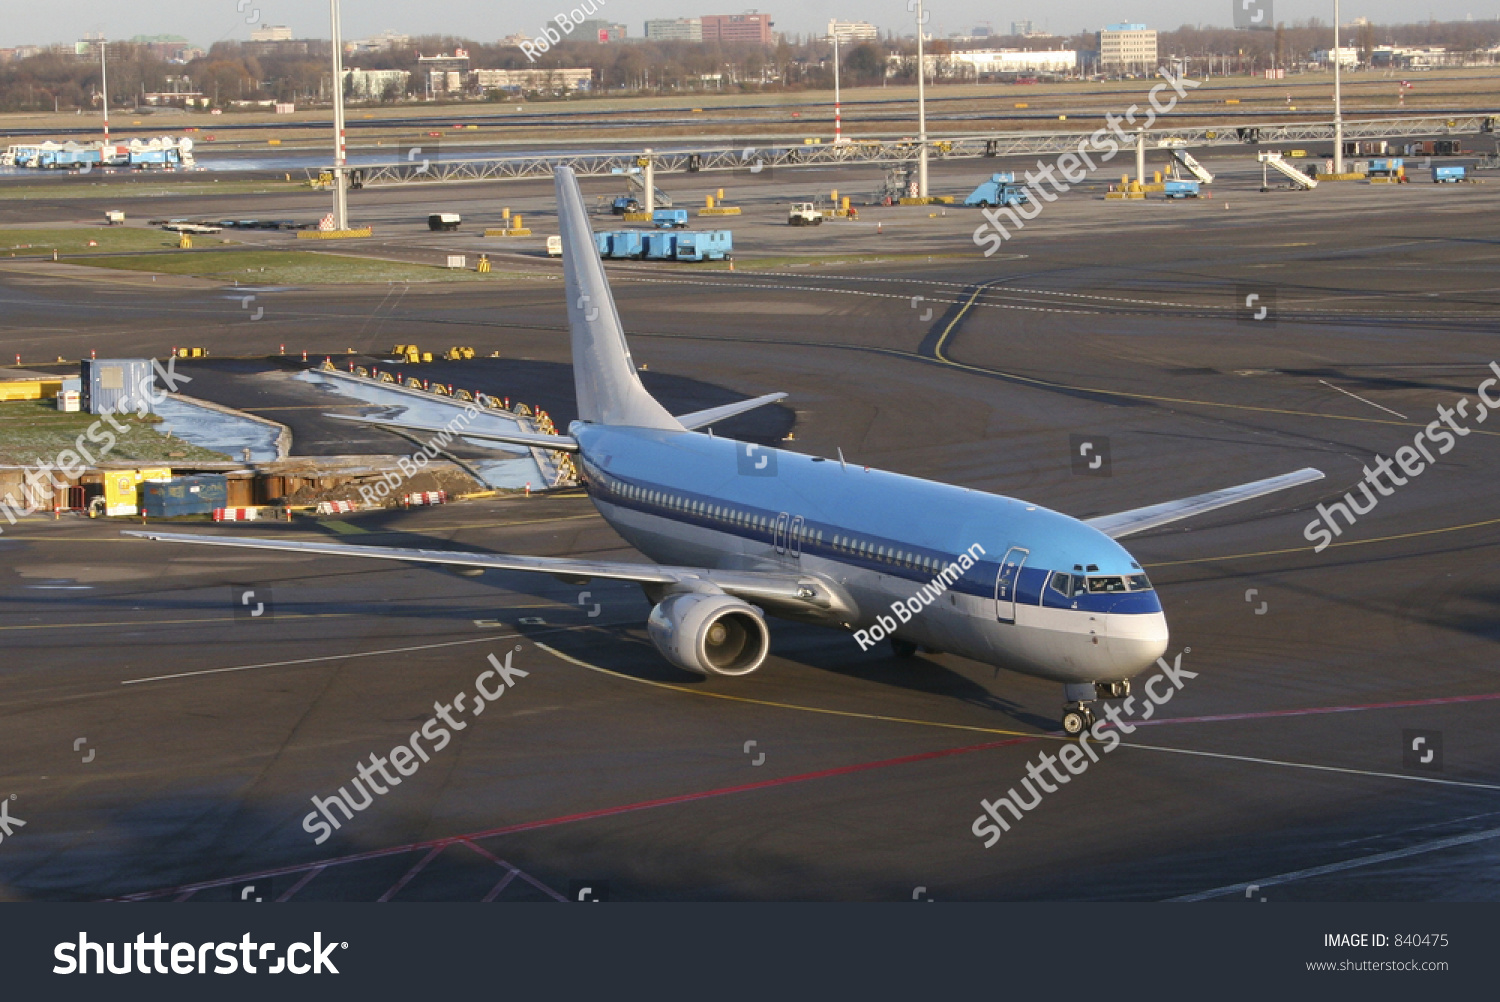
<point x="711" y="634"/>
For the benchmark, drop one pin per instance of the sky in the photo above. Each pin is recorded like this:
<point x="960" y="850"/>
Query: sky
<point x="206" y="21"/>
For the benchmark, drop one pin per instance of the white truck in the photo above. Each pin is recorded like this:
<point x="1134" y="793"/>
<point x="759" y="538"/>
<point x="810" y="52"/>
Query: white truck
<point x="804" y="214"/>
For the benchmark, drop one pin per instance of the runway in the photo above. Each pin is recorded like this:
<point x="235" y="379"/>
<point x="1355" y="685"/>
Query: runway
<point x="831" y="773"/>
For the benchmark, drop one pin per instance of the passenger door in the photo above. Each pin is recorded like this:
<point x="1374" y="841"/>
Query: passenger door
<point x="1006" y="580"/>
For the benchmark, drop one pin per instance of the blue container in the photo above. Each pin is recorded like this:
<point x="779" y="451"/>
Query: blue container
<point x="626" y="243"/>
<point x="601" y="241"/>
<point x="198" y="495"/>
<point x="1448" y="175"/>
<point x="670" y="219"/>
<point x="661" y="246"/>
<point x="1180" y="189"/>
<point x="114" y="385"/>
<point x="711" y="245"/>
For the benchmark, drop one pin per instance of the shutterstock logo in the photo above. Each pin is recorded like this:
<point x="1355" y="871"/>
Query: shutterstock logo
<point x="1255" y="15"/>
<point x="142" y="957"/>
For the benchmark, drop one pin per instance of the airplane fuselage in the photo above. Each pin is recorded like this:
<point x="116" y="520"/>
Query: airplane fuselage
<point x="981" y="575"/>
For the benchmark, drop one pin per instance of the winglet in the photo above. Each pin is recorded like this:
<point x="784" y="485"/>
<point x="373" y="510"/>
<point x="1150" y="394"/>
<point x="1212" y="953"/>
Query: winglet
<point x="604" y="376"/>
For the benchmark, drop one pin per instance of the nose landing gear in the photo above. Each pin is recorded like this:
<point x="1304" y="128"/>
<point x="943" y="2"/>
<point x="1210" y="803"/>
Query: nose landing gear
<point x="1078" y="715"/>
<point x="1077" y="718"/>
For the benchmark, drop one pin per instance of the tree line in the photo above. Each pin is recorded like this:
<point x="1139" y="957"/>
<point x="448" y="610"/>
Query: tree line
<point x="233" y="71"/>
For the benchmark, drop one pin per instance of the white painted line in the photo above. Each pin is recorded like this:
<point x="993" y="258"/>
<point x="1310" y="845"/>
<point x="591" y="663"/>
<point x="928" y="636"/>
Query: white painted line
<point x="1348" y="864"/>
<point x="1362" y="400"/>
<point x="339" y="657"/>
<point x="1316" y="768"/>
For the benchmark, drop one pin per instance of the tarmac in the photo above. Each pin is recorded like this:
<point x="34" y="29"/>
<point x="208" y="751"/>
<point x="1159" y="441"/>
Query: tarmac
<point x="163" y="743"/>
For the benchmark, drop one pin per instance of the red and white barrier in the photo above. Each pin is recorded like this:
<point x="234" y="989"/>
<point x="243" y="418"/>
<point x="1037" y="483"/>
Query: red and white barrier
<point x="236" y="514"/>
<point x="337" y="507"/>
<point x="425" y="497"/>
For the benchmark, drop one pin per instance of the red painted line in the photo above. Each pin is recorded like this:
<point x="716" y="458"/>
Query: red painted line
<point x="682" y="798"/>
<point x="1319" y="710"/>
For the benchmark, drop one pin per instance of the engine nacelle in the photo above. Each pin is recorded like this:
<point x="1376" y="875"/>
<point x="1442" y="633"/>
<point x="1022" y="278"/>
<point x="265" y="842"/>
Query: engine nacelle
<point x="713" y="634"/>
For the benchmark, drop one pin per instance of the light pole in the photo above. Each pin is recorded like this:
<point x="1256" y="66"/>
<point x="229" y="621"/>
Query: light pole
<point x="1338" y="107"/>
<point x="340" y="191"/>
<point x="921" y="108"/>
<point x="838" y="122"/>
<point x="104" y="85"/>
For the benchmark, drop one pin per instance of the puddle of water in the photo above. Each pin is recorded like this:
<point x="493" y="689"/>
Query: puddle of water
<point x="513" y="471"/>
<point x="216" y="430"/>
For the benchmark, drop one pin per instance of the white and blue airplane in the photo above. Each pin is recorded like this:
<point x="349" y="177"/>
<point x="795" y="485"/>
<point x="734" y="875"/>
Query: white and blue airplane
<point x="738" y="531"/>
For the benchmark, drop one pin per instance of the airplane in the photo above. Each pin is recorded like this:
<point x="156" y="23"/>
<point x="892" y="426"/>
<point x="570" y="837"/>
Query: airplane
<point x="737" y="531"/>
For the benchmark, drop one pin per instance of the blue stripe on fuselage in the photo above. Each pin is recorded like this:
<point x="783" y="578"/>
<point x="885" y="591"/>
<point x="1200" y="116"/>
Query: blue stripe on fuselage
<point x="850" y="514"/>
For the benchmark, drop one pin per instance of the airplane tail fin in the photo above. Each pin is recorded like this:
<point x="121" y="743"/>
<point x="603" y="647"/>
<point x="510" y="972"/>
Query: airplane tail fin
<point x="604" y="376"/>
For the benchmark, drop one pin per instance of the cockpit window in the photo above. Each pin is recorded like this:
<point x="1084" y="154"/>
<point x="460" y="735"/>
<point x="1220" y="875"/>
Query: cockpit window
<point x="1106" y="583"/>
<point x="1064" y="583"/>
<point x="1139" y="582"/>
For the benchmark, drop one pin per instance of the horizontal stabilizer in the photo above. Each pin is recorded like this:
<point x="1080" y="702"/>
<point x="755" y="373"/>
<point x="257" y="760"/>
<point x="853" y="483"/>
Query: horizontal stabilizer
<point x="1126" y="523"/>
<point x="563" y="443"/>
<point x="703" y="418"/>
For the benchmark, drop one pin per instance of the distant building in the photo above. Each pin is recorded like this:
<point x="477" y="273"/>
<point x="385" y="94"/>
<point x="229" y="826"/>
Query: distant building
<point x="1127" y="48"/>
<point x="678" y="29"/>
<point x="748" y="27"/>
<point x="1023" y="28"/>
<point x="382" y="42"/>
<point x="599" y="30"/>
<point x="271" y="33"/>
<point x="445" y="74"/>
<point x="549" y="81"/>
<point x="988" y="62"/>
<point x="1347" y="56"/>
<point x="374" y="85"/>
<point x="853" y="31"/>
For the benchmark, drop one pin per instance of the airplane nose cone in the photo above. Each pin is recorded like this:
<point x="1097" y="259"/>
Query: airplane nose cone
<point x="1135" y="642"/>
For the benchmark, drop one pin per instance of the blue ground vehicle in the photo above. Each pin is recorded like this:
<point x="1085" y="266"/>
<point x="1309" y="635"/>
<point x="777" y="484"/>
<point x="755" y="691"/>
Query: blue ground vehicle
<point x="624" y="204"/>
<point x="1000" y="189"/>
<point x="1180" y="189"/>
<point x="1448" y="175"/>
<point x="711" y="245"/>
<point x="670" y="219"/>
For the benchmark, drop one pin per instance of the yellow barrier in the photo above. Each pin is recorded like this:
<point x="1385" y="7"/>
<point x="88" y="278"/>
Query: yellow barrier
<point x="366" y="231"/>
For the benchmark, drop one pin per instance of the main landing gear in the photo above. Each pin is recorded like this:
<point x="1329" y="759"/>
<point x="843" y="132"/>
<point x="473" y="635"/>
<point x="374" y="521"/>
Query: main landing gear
<point x="1078" y="715"/>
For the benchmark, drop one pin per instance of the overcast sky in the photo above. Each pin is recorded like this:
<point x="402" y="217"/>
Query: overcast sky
<point x="206" y="21"/>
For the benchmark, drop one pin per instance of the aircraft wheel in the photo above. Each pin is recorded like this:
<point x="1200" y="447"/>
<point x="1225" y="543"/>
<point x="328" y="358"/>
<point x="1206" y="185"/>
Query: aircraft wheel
<point x="1075" y="722"/>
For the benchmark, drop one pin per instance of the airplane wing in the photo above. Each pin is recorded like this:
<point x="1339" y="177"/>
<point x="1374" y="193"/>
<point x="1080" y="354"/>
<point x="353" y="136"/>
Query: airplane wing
<point x="804" y="592"/>
<point x="1135" y="520"/>
<point x="699" y="419"/>
<point x="563" y="443"/>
